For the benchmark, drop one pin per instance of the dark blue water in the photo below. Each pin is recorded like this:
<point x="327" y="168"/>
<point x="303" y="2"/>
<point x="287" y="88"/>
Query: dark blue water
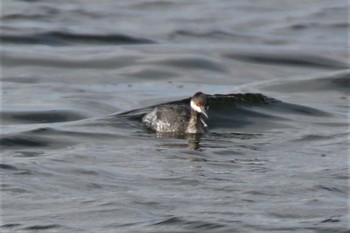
<point x="73" y="160"/>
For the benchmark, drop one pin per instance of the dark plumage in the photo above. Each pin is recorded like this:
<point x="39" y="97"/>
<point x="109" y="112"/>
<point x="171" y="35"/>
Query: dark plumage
<point x="179" y="119"/>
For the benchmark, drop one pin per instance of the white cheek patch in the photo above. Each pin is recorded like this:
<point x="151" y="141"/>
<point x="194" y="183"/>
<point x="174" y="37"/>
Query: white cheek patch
<point x="195" y="107"/>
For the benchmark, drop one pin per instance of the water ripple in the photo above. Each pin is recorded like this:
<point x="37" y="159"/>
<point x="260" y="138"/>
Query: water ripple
<point x="60" y="38"/>
<point x="35" y="117"/>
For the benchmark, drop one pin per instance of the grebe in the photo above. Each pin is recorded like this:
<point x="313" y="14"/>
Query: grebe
<point x="179" y="119"/>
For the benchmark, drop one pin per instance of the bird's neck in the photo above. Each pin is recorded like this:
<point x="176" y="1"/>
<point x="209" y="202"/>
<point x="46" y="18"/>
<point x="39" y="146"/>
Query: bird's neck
<point x="194" y="124"/>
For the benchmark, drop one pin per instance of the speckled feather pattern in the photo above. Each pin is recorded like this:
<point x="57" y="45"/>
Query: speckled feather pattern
<point x="170" y="119"/>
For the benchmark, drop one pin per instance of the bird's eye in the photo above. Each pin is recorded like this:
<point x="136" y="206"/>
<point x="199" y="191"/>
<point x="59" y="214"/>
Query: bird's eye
<point x="198" y="104"/>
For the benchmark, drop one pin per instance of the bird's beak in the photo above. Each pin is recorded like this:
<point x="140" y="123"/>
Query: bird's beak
<point x="204" y="112"/>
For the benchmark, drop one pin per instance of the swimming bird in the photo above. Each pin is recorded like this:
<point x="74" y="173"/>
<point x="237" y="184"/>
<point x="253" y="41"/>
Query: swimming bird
<point x="179" y="119"/>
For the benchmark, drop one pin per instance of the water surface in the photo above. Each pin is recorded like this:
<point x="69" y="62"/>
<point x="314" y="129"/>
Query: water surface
<point x="71" y="163"/>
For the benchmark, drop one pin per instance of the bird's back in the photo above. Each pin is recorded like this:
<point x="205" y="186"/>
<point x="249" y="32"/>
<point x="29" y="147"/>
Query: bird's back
<point x="168" y="119"/>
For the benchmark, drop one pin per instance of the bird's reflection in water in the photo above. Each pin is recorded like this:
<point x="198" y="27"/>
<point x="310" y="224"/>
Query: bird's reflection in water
<point x="193" y="141"/>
